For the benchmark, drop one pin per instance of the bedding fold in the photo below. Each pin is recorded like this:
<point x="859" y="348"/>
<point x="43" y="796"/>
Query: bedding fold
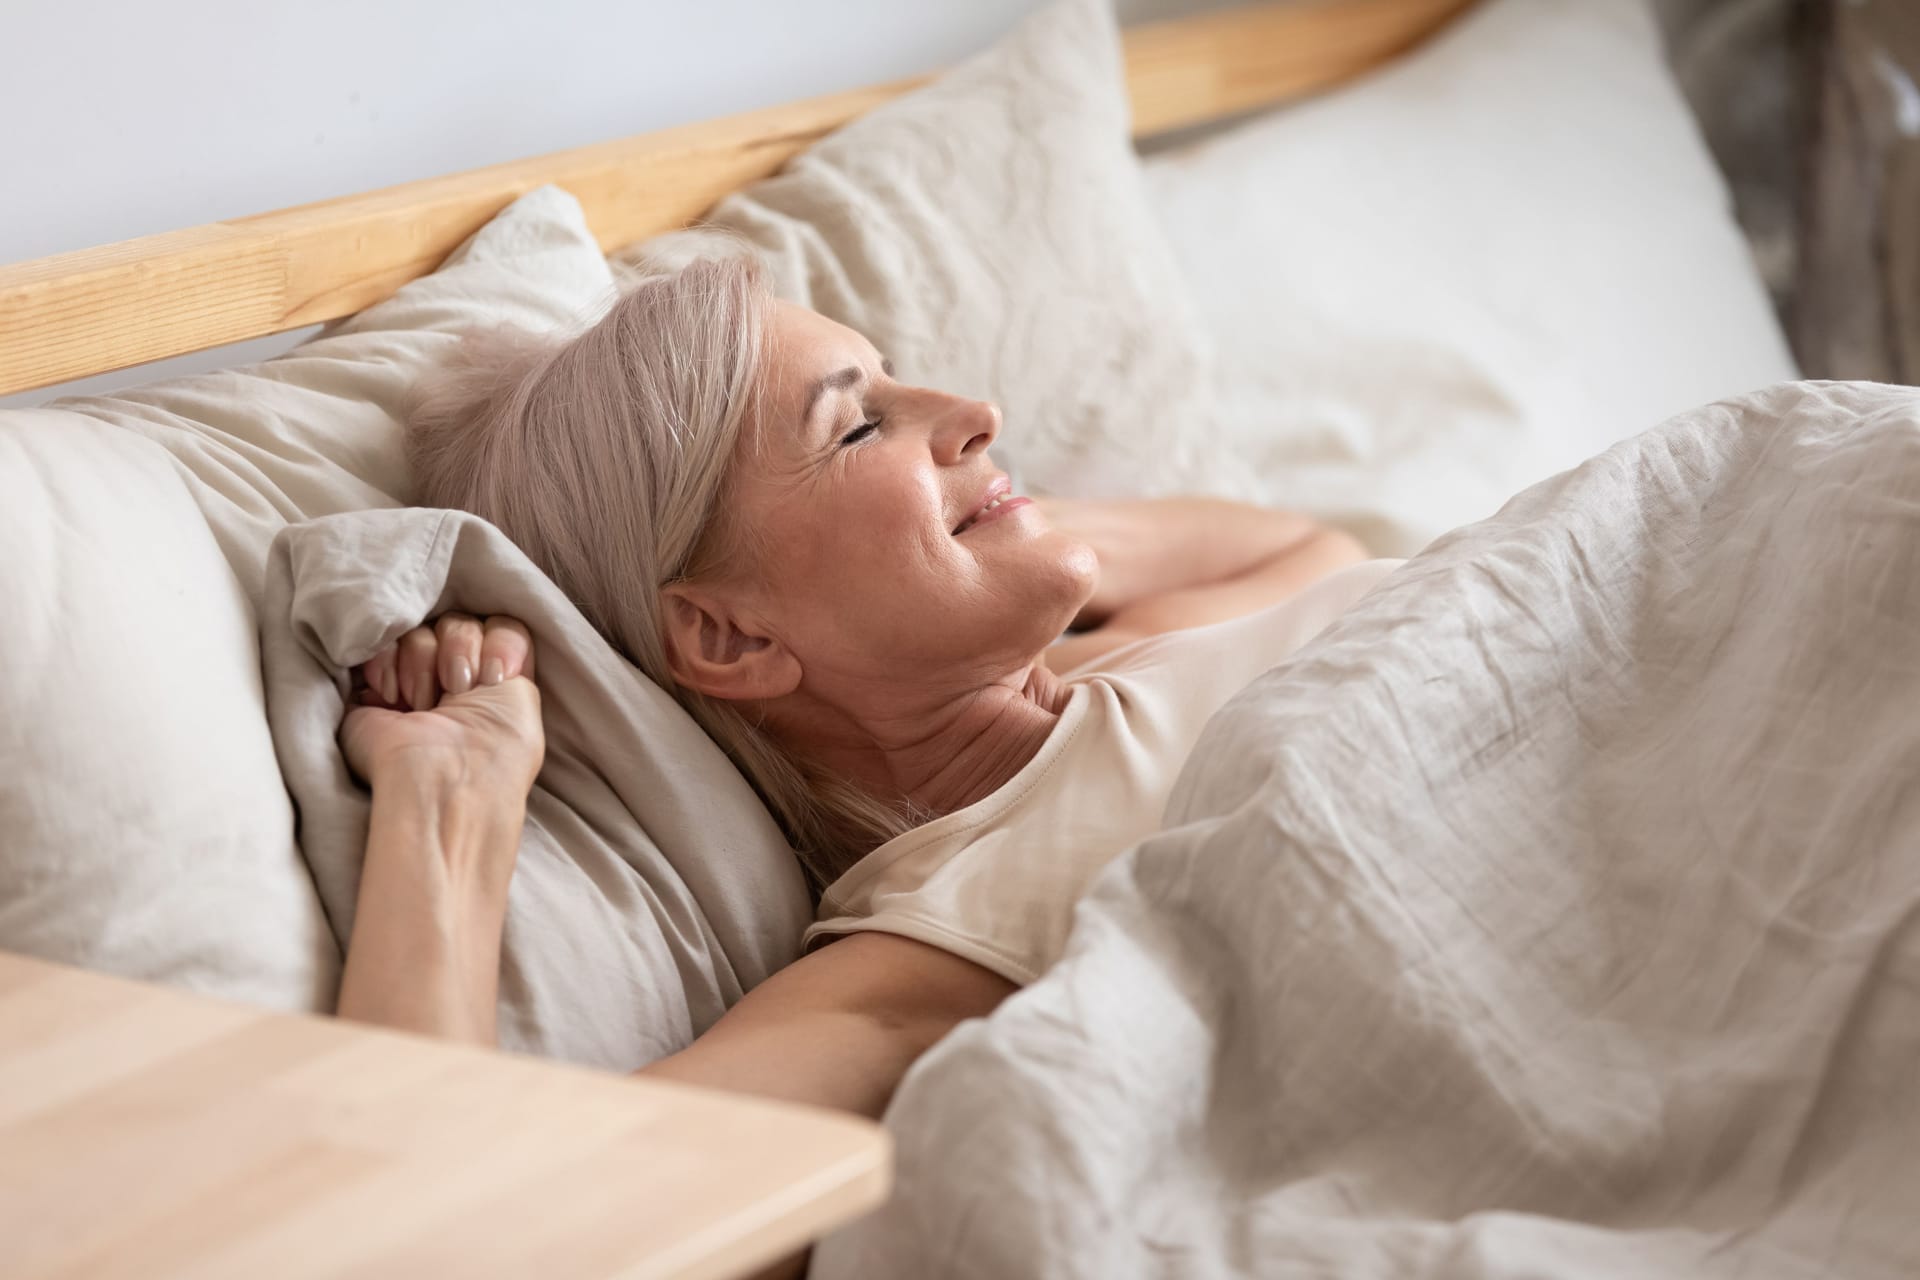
<point x="1555" y="913"/>
<point x="646" y="856"/>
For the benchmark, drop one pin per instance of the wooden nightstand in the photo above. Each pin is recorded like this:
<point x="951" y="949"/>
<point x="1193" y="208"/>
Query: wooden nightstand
<point x="148" y="1132"/>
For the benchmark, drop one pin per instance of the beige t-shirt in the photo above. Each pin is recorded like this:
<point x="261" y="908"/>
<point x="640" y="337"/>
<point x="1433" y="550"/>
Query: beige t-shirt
<point x="996" y="882"/>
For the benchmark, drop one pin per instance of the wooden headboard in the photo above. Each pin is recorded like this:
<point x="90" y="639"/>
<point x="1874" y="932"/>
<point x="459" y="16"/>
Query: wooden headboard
<point x="96" y="310"/>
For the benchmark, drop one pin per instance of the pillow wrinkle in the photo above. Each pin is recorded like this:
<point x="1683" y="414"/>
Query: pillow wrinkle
<point x="991" y="234"/>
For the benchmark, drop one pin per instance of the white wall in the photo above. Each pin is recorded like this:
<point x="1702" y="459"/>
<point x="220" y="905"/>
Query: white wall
<point x="129" y="117"/>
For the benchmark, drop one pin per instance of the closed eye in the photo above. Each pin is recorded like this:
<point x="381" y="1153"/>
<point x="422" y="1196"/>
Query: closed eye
<point x="860" y="432"/>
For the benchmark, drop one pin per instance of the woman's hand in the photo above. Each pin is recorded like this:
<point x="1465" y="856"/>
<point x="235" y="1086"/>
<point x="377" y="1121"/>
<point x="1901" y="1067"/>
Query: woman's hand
<point x="454" y="701"/>
<point x="448" y="733"/>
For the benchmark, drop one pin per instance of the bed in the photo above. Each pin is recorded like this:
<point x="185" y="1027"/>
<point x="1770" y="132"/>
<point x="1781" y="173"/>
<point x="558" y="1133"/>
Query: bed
<point x="1466" y="299"/>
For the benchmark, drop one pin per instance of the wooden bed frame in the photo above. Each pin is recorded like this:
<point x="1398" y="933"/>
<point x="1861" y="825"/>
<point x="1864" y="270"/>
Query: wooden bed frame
<point x="288" y="1135"/>
<point x="96" y="310"/>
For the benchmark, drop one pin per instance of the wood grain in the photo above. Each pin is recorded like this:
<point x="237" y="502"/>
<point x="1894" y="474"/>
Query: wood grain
<point x="95" y="310"/>
<point x="146" y="1132"/>
<point x="1193" y="70"/>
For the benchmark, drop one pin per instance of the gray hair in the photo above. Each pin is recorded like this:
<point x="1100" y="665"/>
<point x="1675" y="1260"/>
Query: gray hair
<point x="606" y="457"/>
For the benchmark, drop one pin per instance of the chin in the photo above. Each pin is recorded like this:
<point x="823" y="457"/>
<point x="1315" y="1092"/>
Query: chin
<point x="1076" y="574"/>
<point x="1080" y="562"/>
<point x="1040" y="587"/>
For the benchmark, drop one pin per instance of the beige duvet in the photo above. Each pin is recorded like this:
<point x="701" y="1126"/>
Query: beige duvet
<point x="1556" y="913"/>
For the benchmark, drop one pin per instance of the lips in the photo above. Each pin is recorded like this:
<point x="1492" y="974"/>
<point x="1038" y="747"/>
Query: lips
<point x="999" y="489"/>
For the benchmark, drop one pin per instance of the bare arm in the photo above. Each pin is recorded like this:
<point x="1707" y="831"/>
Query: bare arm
<point x="450" y="739"/>
<point x="425" y="950"/>
<point x="451" y="755"/>
<point x="1149" y="547"/>
<point x="1174" y="563"/>
<point x="447" y="732"/>
<point x="840" y="1027"/>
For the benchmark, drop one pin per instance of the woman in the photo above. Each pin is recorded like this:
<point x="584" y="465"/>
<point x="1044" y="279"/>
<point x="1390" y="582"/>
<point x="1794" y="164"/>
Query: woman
<point x="831" y="573"/>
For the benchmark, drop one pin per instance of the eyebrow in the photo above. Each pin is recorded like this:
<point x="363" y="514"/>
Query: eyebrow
<point x="839" y="380"/>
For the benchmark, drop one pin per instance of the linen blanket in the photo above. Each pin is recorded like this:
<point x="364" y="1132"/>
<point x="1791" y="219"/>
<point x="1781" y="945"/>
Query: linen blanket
<point x="1555" y="913"/>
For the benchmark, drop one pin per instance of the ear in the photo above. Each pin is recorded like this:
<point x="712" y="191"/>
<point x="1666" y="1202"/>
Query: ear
<point x="715" y="649"/>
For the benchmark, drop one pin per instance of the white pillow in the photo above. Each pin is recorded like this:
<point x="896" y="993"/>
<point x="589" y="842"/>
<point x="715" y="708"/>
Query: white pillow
<point x="148" y="829"/>
<point x="991" y="235"/>
<point x="1480" y="265"/>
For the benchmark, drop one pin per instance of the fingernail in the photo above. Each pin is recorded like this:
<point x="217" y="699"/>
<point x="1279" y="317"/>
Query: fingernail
<point x="493" y="672"/>
<point x="460" y="679"/>
<point x="423" y="692"/>
<point x="390" y="685"/>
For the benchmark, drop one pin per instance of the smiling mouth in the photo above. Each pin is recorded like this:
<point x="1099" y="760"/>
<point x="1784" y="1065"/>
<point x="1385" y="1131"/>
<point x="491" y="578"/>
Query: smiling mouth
<point x="977" y="516"/>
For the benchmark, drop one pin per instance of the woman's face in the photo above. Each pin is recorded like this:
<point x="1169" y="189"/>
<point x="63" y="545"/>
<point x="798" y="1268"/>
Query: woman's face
<point x="881" y="543"/>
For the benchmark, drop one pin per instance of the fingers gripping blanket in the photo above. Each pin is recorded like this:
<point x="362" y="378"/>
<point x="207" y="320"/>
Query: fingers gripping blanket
<point x="1556" y="913"/>
<point x="651" y="887"/>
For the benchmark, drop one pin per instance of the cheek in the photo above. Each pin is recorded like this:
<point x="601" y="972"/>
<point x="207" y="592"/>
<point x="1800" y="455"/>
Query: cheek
<point x="869" y="541"/>
<point x="870" y="537"/>
<point x="885" y="516"/>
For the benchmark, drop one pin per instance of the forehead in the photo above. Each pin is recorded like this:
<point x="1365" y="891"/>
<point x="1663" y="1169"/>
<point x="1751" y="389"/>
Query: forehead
<point x="799" y="348"/>
<point x="802" y="347"/>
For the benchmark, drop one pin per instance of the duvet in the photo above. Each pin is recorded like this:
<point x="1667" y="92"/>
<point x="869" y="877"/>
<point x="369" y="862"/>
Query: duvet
<point x="1556" y="913"/>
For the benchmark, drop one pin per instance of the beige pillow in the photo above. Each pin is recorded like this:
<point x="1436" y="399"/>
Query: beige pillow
<point x="317" y="430"/>
<point x="148" y="829"/>
<point x="991" y="235"/>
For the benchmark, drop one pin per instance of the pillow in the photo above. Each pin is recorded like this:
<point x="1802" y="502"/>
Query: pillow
<point x="991" y="235"/>
<point x="166" y="849"/>
<point x="147" y="832"/>
<point x="1480" y="265"/>
<point x="652" y="888"/>
<point x="317" y="430"/>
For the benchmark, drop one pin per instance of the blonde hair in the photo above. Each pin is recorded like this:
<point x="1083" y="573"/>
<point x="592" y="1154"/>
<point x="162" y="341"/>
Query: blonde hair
<point x="606" y="458"/>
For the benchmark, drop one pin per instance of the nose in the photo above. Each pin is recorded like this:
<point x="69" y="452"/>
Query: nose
<point x="965" y="428"/>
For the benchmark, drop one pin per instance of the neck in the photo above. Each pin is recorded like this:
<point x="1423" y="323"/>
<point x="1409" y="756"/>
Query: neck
<point x="945" y="755"/>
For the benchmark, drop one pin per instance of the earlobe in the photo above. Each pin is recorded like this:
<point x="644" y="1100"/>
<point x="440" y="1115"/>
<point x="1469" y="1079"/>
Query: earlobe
<point x="714" y="650"/>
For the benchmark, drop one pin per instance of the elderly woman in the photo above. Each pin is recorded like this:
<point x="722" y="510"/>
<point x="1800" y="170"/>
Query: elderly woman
<point x="959" y="702"/>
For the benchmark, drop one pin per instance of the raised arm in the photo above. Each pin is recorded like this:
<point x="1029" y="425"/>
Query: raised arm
<point x="448" y="735"/>
<point x="1171" y="563"/>
<point x="447" y="732"/>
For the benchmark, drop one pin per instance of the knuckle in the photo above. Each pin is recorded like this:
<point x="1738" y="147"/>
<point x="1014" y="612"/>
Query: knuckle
<point x="456" y="626"/>
<point x="508" y="624"/>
